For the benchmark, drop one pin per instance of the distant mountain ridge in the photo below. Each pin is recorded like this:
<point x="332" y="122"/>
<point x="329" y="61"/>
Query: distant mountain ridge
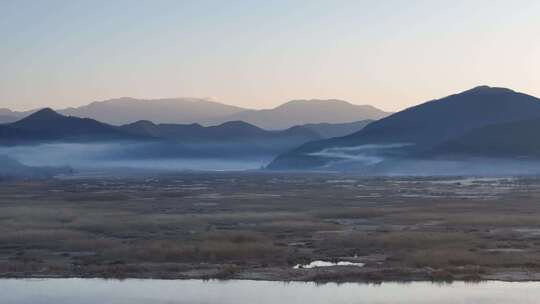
<point x="301" y="112"/>
<point x="229" y="140"/>
<point x="144" y="139"/>
<point x="232" y="130"/>
<point x="127" y="110"/>
<point x="172" y="110"/>
<point x="417" y="130"/>
<point x="47" y="125"/>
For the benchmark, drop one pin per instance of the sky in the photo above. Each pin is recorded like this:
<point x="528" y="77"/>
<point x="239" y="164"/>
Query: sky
<point x="258" y="54"/>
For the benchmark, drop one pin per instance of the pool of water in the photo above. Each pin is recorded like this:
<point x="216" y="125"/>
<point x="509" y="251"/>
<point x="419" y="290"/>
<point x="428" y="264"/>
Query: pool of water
<point x="317" y="264"/>
<point x="92" y="291"/>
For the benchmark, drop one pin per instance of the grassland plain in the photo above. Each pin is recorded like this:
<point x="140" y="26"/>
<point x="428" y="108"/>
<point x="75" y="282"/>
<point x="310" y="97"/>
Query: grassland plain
<point x="256" y="225"/>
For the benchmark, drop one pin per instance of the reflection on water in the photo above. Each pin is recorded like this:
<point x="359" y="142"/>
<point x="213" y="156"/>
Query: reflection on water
<point x="316" y="264"/>
<point x="91" y="291"/>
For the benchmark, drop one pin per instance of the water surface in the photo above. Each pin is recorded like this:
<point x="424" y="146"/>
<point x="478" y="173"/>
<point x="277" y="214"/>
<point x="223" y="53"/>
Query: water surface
<point x="317" y="264"/>
<point x="92" y="291"/>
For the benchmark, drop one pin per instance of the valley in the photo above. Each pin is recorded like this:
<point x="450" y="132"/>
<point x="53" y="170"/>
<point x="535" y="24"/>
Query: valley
<point x="289" y="152"/>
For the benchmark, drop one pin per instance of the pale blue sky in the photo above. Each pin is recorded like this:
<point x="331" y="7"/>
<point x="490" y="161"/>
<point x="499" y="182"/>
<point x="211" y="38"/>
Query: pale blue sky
<point x="392" y="54"/>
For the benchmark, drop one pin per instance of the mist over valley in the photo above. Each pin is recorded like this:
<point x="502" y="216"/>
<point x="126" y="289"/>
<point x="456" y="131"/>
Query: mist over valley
<point x="48" y="138"/>
<point x="482" y="131"/>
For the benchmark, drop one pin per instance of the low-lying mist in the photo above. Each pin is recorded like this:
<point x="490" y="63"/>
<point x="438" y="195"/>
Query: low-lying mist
<point x="373" y="159"/>
<point x="390" y="160"/>
<point x="370" y="154"/>
<point x="136" y="155"/>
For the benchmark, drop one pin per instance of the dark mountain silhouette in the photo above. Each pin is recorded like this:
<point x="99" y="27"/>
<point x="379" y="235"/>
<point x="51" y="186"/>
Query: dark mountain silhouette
<point x="300" y="112"/>
<point x="519" y="139"/>
<point x="233" y="139"/>
<point x="329" y="130"/>
<point x="142" y="143"/>
<point x="146" y="140"/>
<point x="48" y="125"/>
<point x="10" y="135"/>
<point x="143" y="128"/>
<point x="233" y="130"/>
<point x="41" y="119"/>
<point x="418" y="129"/>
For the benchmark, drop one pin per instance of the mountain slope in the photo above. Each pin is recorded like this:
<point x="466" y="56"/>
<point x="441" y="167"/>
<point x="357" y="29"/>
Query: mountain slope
<point x="300" y="112"/>
<point x="328" y="130"/>
<point x="417" y="129"/>
<point x="173" y="110"/>
<point x="232" y="131"/>
<point x="48" y="125"/>
<point x="234" y="139"/>
<point x="517" y="139"/>
<point x="10" y="135"/>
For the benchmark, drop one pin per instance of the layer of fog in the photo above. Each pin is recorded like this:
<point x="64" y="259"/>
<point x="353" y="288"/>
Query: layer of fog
<point x="131" y="155"/>
<point x="380" y="159"/>
<point x="370" y="154"/>
<point x="388" y="160"/>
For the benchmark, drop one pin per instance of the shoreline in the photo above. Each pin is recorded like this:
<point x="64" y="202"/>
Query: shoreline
<point x="330" y="275"/>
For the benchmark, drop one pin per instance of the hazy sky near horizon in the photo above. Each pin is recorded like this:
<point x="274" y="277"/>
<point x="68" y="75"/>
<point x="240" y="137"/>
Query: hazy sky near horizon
<point x="258" y="54"/>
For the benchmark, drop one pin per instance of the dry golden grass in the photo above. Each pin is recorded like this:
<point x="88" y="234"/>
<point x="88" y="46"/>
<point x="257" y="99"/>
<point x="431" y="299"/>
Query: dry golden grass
<point x="110" y="229"/>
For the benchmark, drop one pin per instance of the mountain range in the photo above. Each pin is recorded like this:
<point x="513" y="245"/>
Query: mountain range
<point x="146" y="140"/>
<point x="471" y="129"/>
<point x="230" y="139"/>
<point x="483" y="121"/>
<point x="301" y="112"/>
<point x="49" y="125"/>
<point x="191" y="110"/>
